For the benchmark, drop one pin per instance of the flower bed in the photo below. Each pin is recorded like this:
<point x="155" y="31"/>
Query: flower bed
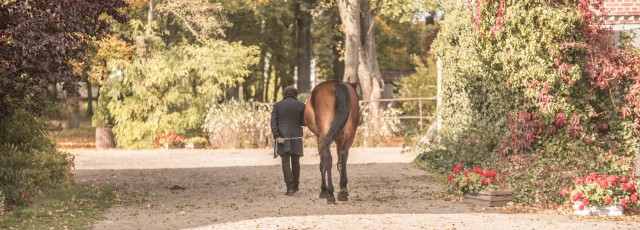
<point x="594" y="192"/>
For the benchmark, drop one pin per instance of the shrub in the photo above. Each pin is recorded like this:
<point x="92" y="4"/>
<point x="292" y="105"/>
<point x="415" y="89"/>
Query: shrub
<point x="29" y="161"/>
<point x="377" y="128"/>
<point x="234" y="124"/>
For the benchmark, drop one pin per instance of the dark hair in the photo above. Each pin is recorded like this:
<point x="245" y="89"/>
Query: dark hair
<point x="290" y="91"/>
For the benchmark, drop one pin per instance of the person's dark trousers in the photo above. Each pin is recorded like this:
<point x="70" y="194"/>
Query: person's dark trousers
<point x="291" y="171"/>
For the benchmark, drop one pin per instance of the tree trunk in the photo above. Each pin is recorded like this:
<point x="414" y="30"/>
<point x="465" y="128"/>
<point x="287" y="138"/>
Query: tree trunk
<point x="303" y="46"/>
<point x="350" y="16"/>
<point x="73" y="109"/>
<point x="89" y="99"/>
<point x="338" y="41"/>
<point x="371" y="79"/>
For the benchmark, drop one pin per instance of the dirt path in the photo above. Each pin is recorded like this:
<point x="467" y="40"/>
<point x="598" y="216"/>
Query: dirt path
<point x="241" y="189"/>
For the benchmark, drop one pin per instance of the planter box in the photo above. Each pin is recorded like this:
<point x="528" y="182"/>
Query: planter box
<point x="608" y="210"/>
<point x="192" y="145"/>
<point x="489" y="198"/>
<point x="168" y="146"/>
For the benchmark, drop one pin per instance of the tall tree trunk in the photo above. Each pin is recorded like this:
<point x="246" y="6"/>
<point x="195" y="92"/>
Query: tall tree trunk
<point x="303" y="46"/>
<point x="338" y="47"/>
<point x="73" y="109"/>
<point x="89" y="99"/>
<point x="350" y="15"/>
<point x="371" y="79"/>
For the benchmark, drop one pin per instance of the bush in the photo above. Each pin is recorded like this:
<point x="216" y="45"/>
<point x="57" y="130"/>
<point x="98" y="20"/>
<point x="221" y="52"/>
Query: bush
<point x="29" y="161"/>
<point x="377" y="128"/>
<point x="234" y="124"/>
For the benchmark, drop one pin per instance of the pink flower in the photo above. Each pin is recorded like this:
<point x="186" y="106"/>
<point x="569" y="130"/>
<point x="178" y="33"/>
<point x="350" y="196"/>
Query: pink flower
<point x="613" y="179"/>
<point x="468" y="180"/>
<point x="634" y="198"/>
<point x="578" y="180"/>
<point x="565" y="191"/>
<point x="603" y="183"/>
<point x="585" y="201"/>
<point x="577" y="196"/>
<point x="581" y="207"/>
<point x="450" y="177"/>
<point x="624" y="180"/>
<point x="624" y="202"/>
<point x="608" y="200"/>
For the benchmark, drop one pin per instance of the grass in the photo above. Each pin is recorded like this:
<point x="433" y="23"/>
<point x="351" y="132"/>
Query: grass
<point x="73" y="207"/>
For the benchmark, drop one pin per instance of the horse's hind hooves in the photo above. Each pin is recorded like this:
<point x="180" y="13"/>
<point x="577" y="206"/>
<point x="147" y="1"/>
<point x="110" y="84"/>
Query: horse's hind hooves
<point x="331" y="200"/>
<point x="324" y="195"/>
<point x="343" y="196"/>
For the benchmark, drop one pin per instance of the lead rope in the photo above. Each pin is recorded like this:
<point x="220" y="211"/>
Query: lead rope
<point x="288" y="138"/>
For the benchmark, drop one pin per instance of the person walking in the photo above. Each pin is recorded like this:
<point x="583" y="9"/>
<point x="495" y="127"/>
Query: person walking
<point x="287" y="119"/>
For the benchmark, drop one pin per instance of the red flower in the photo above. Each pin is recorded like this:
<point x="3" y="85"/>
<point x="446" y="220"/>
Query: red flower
<point x="478" y="171"/>
<point x="490" y="174"/>
<point x="455" y="183"/>
<point x="460" y="166"/>
<point x="613" y="179"/>
<point x="577" y="196"/>
<point x="455" y="170"/>
<point x="585" y="201"/>
<point x="468" y="180"/>
<point x="578" y="180"/>
<point x="450" y="177"/>
<point x="466" y="172"/>
<point x="624" y="180"/>
<point x="608" y="200"/>
<point x="581" y="207"/>
<point x="634" y="198"/>
<point x="484" y="181"/>
<point x="624" y="202"/>
<point x="565" y="191"/>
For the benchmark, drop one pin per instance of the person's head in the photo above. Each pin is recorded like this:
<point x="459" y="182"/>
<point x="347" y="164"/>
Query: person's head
<point x="290" y="91"/>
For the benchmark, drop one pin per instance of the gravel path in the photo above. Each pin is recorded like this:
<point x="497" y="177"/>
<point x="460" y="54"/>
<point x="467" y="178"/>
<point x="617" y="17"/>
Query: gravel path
<point x="242" y="189"/>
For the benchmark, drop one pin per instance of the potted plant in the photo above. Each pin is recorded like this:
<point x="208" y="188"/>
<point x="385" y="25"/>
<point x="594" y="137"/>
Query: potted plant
<point x="479" y="187"/>
<point x="601" y="194"/>
<point x="169" y="141"/>
<point x="195" y="143"/>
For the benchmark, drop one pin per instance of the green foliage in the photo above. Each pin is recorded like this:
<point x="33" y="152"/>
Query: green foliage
<point x="199" y="140"/>
<point x="171" y="89"/>
<point x="397" y="43"/>
<point x="234" y="124"/>
<point x="29" y="161"/>
<point x="520" y="97"/>
<point x="76" y="206"/>
<point x="420" y="84"/>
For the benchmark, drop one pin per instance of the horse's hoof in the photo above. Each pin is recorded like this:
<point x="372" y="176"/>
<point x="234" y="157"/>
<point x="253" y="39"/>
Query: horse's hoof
<point x="343" y="196"/>
<point x="331" y="200"/>
<point x="324" y="195"/>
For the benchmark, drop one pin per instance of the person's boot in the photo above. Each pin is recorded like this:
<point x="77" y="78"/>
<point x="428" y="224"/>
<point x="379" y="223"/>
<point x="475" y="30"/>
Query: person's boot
<point x="295" y="188"/>
<point x="290" y="191"/>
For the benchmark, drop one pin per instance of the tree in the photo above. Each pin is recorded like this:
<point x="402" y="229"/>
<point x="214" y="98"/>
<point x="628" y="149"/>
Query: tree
<point x="181" y="66"/>
<point x="38" y="42"/>
<point x="361" y="61"/>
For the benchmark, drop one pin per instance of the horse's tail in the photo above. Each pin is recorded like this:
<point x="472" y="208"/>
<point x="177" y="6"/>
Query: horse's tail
<point x="343" y="104"/>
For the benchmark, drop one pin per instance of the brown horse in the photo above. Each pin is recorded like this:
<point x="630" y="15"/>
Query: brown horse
<point x="332" y="113"/>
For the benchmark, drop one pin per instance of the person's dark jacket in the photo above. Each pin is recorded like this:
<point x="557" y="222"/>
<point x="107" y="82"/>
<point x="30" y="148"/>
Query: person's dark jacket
<point x="287" y="118"/>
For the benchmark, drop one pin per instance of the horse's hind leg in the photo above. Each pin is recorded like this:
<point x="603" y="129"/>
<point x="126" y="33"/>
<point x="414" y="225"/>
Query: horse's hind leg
<point x="327" y="168"/>
<point x="323" y="186"/>
<point x="343" y="153"/>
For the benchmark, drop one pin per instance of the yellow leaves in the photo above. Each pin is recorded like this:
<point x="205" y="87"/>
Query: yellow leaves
<point x="136" y="4"/>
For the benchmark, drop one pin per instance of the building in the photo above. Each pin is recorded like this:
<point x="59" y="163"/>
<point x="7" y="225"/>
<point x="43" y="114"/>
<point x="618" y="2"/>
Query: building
<point x="624" y="15"/>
